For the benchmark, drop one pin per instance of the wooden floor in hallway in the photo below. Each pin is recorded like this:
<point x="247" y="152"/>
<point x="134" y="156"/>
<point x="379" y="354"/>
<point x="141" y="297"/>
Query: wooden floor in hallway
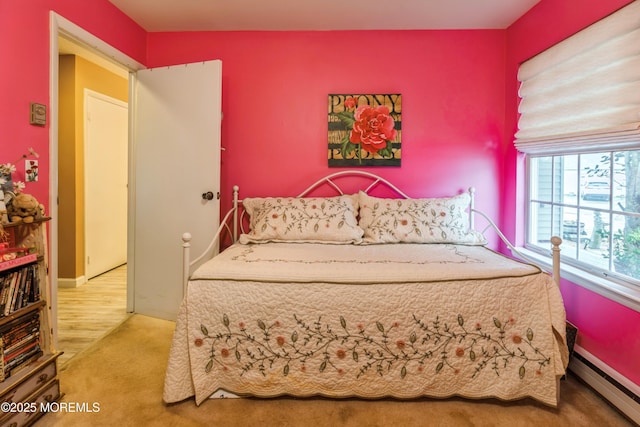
<point x="90" y="311"/>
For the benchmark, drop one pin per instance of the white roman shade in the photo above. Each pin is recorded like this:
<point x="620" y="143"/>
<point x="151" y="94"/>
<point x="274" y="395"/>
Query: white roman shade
<point x="583" y="94"/>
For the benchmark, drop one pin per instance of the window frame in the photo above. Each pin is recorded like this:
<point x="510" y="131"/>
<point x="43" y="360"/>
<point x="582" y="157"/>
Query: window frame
<point x="616" y="287"/>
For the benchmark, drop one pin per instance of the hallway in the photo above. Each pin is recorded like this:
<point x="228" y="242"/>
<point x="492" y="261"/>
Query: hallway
<point x="90" y="311"/>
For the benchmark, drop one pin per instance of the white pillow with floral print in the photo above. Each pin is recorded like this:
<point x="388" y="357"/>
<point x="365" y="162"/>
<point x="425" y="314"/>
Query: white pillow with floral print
<point x="434" y="220"/>
<point x="313" y="219"/>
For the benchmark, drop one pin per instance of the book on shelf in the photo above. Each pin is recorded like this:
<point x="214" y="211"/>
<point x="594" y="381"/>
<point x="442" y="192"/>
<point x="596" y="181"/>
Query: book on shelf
<point x="20" y="334"/>
<point x="28" y="296"/>
<point x="18" y="289"/>
<point x="9" y="297"/>
<point x="18" y="363"/>
<point x="22" y="342"/>
<point x="19" y="352"/>
<point x="16" y="292"/>
<point x="22" y="322"/>
<point x="19" y="343"/>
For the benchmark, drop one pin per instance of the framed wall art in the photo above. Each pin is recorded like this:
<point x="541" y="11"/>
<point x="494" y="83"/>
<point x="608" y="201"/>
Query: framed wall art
<point x="364" y="130"/>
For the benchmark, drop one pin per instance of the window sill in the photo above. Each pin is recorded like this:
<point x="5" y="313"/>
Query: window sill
<point x="615" y="291"/>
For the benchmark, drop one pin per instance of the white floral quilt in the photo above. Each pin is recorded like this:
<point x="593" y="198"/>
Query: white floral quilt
<point x="393" y="320"/>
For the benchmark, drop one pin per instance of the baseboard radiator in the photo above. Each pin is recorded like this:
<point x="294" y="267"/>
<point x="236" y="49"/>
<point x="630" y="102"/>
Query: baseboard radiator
<point x="616" y="389"/>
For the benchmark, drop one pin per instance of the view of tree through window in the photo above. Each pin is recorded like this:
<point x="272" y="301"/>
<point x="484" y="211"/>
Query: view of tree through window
<point x="592" y="201"/>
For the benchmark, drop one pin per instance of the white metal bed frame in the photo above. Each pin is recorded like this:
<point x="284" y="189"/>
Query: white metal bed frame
<point x="330" y="180"/>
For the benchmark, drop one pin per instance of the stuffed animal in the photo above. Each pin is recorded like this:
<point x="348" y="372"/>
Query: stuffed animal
<point x="24" y="208"/>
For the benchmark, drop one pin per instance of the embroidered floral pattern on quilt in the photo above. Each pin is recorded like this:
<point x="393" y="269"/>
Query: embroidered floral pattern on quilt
<point x="437" y="220"/>
<point x="321" y="219"/>
<point x="352" y="348"/>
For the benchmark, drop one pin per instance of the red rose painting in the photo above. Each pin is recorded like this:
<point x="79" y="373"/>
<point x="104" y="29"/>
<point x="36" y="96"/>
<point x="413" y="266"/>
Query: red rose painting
<point x="373" y="128"/>
<point x="365" y="130"/>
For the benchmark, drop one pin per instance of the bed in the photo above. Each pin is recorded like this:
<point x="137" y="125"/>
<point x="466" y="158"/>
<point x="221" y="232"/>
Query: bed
<point x="355" y="295"/>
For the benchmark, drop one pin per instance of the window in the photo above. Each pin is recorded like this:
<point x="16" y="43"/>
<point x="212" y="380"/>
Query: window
<point x="592" y="201"/>
<point x="579" y="126"/>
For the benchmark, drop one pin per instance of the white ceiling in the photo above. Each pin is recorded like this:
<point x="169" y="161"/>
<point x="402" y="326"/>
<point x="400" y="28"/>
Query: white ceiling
<point x="291" y="15"/>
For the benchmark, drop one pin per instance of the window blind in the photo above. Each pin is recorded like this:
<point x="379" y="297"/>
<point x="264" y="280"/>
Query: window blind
<point x="583" y="94"/>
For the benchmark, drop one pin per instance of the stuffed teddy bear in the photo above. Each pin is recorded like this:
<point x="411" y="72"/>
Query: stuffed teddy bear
<point x="24" y="208"/>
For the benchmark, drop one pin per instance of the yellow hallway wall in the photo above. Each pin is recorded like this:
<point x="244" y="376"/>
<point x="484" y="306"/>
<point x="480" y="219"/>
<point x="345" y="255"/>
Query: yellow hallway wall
<point x="76" y="74"/>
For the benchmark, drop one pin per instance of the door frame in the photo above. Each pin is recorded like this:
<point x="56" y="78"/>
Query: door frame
<point x="59" y="25"/>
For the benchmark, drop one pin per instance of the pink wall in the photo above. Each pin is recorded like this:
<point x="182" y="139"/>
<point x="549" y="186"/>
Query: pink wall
<point x="456" y="126"/>
<point x="24" y="71"/>
<point x="275" y="87"/>
<point x="608" y="330"/>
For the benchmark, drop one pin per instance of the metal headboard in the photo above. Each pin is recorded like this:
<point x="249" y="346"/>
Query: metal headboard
<point x="331" y="181"/>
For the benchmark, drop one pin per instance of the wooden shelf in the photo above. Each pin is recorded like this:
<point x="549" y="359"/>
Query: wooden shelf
<point x="35" y="221"/>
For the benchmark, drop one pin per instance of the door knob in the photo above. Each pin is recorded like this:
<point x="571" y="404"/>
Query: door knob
<point x="207" y="196"/>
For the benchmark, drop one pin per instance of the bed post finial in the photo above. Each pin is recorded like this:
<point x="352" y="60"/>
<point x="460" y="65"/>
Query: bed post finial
<point x="236" y="190"/>
<point x="186" y="248"/>
<point x="555" y="256"/>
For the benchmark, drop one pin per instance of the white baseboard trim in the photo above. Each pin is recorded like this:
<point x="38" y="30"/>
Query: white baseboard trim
<point x="71" y="283"/>
<point x="625" y="395"/>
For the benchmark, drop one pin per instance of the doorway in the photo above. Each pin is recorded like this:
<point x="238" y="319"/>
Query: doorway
<point x="92" y="197"/>
<point x="168" y="106"/>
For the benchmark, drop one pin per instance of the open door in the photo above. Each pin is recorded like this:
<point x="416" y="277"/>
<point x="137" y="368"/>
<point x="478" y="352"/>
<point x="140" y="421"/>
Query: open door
<point x="176" y="116"/>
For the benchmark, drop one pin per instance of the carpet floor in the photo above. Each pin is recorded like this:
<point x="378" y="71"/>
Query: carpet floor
<point x="121" y="379"/>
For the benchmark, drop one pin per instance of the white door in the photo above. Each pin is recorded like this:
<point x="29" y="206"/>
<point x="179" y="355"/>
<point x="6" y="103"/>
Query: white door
<point x="105" y="153"/>
<point x="176" y="132"/>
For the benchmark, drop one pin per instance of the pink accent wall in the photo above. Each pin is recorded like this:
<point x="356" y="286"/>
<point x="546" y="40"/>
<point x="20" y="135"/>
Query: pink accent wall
<point x="24" y="73"/>
<point x="607" y="329"/>
<point x="275" y="87"/>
